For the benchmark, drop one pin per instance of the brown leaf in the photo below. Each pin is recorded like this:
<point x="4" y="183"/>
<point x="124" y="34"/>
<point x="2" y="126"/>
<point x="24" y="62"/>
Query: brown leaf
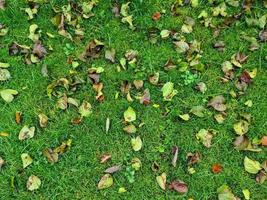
<point x="175" y="155"/>
<point x="218" y="103"/>
<point x="18" y="117"/>
<point x="130" y="129"/>
<point x="92" y="50"/>
<point x="261" y="177"/>
<point x="243" y="81"/>
<point x="63" y="147"/>
<point x="169" y="65"/>
<point x="155" y="166"/>
<point x="39" y="50"/>
<point x="179" y="186"/>
<point x="145" y="99"/>
<point x="51" y="156"/>
<point x="154" y="78"/>
<point x="125" y="87"/>
<point x="241" y="142"/>
<point x="240" y="57"/>
<point x="113" y="169"/>
<point x="104" y="158"/>
<point x="156" y="16"/>
<point x="193" y="158"/>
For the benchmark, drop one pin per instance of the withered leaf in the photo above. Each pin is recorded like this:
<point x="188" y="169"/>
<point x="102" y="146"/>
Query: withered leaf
<point x="113" y="169"/>
<point x="2" y="162"/>
<point x="193" y="158"/>
<point x="92" y="50"/>
<point x="26" y="132"/>
<point x="43" y="120"/>
<point x="175" y="155"/>
<point x="218" y="103"/>
<point x="110" y="55"/>
<point x="18" y="117"/>
<point x="263" y="35"/>
<point x="156" y="16"/>
<point x="179" y="186"/>
<point x="51" y="156"/>
<point x="39" y="50"/>
<point x="145" y="99"/>
<point x="130" y="129"/>
<point x="33" y="183"/>
<point x="161" y="180"/>
<point x="26" y="160"/>
<point x="104" y="158"/>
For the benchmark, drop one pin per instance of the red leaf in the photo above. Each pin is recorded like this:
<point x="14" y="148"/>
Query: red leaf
<point x="179" y="186"/>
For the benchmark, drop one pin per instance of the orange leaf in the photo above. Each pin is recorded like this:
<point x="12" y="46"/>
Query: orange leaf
<point x="264" y="140"/>
<point x="18" y="117"/>
<point x="156" y="16"/>
<point x="216" y="168"/>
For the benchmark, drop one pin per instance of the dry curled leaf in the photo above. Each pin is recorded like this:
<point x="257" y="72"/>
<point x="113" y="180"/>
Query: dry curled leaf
<point x="179" y="186"/>
<point x="193" y="158"/>
<point x="175" y="155"/>
<point x="92" y="50"/>
<point x="156" y="16"/>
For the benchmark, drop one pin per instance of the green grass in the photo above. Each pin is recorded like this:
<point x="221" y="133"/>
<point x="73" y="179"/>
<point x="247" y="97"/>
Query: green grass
<point x="78" y="171"/>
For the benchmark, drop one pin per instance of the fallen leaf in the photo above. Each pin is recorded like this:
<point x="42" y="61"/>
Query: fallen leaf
<point x="201" y="87"/>
<point x="185" y="117"/>
<point x="219" y="118"/>
<point x="156" y="16"/>
<point x="161" y="180"/>
<point x="105" y="182"/>
<point x="193" y="158"/>
<point x="218" y="103"/>
<point x="154" y="79"/>
<point x="43" y="120"/>
<point x="225" y="193"/>
<point x="18" y="117"/>
<point x="181" y="46"/>
<point x="179" y="186"/>
<point x="2" y="4"/>
<point x="136" y="164"/>
<point x="4" y="75"/>
<point x="51" y="156"/>
<point x="110" y="55"/>
<point x="63" y="147"/>
<point x="8" y="94"/>
<point x="261" y="177"/>
<point x="39" y="50"/>
<point x="107" y="124"/>
<point x="198" y="111"/>
<point x="92" y="50"/>
<point x="205" y="137"/>
<point x="136" y="143"/>
<point x="26" y="160"/>
<point x="264" y="141"/>
<point x="85" y="109"/>
<point x="113" y="169"/>
<point x="4" y="134"/>
<point x="2" y="162"/>
<point x="263" y="35"/>
<point x="122" y="190"/>
<point x="145" y="99"/>
<point x="241" y="127"/>
<point x="129" y="115"/>
<point x="252" y="166"/>
<point x="175" y="155"/>
<point x="33" y="35"/>
<point x="216" y="168"/>
<point x="246" y="194"/>
<point x="26" y="133"/>
<point x="130" y="129"/>
<point x="104" y="158"/>
<point x="165" y="34"/>
<point x="168" y="91"/>
<point x="241" y="142"/>
<point x="33" y="183"/>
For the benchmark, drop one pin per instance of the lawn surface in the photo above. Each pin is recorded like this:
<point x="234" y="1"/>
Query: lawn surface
<point x="78" y="170"/>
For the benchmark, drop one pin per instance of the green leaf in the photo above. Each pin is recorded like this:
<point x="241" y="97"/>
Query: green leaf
<point x="129" y="115"/>
<point x="85" y="109"/>
<point x="33" y="36"/>
<point x="246" y="194"/>
<point x="4" y="74"/>
<point x="241" y="127"/>
<point x="105" y="182"/>
<point x="136" y="143"/>
<point x="8" y="94"/>
<point x="168" y="91"/>
<point x="26" y="160"/>
<point x="252" y="166"/>
<point x="205" y="137"/>
<point x="4" y="65"/>
<point x="225" y="193"/>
